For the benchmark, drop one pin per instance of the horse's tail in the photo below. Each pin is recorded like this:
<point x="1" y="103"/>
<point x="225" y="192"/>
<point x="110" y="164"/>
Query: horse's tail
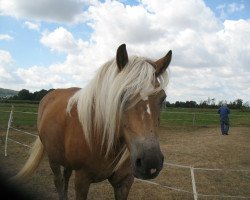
<point x="37" y="153"/>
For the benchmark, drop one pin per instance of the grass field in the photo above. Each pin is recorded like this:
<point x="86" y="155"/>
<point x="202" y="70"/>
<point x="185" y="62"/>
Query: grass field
<point x="201" y="117"/>
<point x="20" y="119"/>
<point x="169" y="116"/>
<point x="199" y="145"/>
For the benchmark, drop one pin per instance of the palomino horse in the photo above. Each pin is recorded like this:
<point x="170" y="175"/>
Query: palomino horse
<point x="108" y="130"/>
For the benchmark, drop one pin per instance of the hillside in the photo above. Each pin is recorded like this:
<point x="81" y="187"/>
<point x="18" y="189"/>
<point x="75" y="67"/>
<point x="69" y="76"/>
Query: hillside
<point x="7" y="92"/>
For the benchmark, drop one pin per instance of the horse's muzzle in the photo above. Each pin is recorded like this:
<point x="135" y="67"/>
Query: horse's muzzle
<point x="147" y="159"/>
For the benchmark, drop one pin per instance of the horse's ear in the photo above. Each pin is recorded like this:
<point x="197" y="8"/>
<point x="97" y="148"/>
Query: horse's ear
<point x="121" y="56"/>
<point x="163" y="63"/>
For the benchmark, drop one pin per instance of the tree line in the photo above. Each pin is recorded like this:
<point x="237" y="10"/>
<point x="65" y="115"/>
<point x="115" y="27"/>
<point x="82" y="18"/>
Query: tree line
<point x="26" y="95"/>
<point x="29" y="96"/>
<point x="236" y="104"/>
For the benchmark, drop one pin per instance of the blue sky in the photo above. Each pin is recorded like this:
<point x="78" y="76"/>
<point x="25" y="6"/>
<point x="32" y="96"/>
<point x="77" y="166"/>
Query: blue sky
<point x="59" y="44"/>
<point x="223" y="10"/>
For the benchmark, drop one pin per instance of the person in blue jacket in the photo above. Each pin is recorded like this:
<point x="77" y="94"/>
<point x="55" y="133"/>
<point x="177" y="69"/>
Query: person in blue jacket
<point x="224" y="118"/>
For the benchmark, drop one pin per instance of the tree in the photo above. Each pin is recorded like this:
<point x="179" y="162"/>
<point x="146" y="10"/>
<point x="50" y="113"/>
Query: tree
<point x="190" y="104"/>
<point x="24" y="95"/>
<point x="203" y="104"/>
<point x="37" y="96"/>
<point x="246" y="105"/>
<point x="213" y="102"/>
<point x="239" y="103"/>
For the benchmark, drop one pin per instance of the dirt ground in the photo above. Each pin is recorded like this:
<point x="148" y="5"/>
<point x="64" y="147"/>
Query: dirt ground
<point x="196" y="147"/>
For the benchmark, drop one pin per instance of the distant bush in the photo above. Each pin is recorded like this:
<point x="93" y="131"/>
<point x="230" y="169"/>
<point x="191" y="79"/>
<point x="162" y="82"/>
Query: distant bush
<point x="26" y="95"/>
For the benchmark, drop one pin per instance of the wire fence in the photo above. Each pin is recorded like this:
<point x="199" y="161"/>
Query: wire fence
<point x="202" y="118"/>
<point x="182" y="117"/>
<point x="193" y="170"/>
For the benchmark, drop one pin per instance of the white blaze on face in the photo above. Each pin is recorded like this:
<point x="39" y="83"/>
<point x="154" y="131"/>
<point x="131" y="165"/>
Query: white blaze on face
<point x="148" y="109"/>
<point x="144" y="96"/>
<point x="145" y="99"/>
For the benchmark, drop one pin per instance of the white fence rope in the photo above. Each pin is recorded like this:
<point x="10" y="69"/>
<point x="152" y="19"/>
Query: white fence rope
<point x="215" y="169"/>
<point x="224" y="196"/>
<point x="19" y="143"/>
<point x="165" y="186"/>
<point x="192" y="169"/>
<point x="8" y="128"/>
<point x="177" y="165"/>
<point x="26" y="112"/>
<point x="193" y="183"/>
<point x="21" y="131"/>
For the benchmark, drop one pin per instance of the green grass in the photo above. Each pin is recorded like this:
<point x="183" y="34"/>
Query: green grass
<point x="201" y="117"/>
<point x="19" y="107"/>
<point x="22" y="117"/>
<point x="183" y="117"/>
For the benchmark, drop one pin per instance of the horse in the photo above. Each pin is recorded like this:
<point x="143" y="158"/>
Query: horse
<point x="106" y="130"/>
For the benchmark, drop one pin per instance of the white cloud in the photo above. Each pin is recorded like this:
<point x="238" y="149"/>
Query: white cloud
<point x="125" y="26"/>
<point x="5" y="37"/>
<point x="46" y="10"/>
<point x="61" y="40"/>
<point x="221" y="83"/>
<point x="199" y="42"/>
<point x="32" y="26"/>
<point x="5" y="62"/>
<point x="210" y="58"/>
<point x="37" y="78"/>
<point x="5" y="57"/>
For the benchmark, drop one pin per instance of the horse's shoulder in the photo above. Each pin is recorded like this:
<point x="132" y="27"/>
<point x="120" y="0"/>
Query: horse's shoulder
<point x="56" y="101"/>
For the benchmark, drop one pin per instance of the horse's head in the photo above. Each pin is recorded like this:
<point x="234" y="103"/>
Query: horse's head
<point x="140" y="121"/>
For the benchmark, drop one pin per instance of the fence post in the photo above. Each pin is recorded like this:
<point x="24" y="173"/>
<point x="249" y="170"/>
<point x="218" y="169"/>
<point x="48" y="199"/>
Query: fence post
<point x="8" y="128"/>
<point x="193" y="183"/>
<point x="193" y="119"/>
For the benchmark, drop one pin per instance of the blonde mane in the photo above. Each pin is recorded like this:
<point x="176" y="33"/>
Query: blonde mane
<point x="101" y="103"/>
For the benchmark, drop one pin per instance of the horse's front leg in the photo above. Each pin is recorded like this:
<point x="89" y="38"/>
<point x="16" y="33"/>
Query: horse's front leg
<point x="66" y="176"/>
<point x="122" y="181"/>
<point x="82" y="184"/>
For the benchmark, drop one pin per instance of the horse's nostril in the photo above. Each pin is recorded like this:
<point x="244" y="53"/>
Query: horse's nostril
<point x="138" y="162"/>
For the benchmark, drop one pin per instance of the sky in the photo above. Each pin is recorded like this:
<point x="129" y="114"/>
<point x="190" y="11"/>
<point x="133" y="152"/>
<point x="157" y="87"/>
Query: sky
<point x="48" y="44"/>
